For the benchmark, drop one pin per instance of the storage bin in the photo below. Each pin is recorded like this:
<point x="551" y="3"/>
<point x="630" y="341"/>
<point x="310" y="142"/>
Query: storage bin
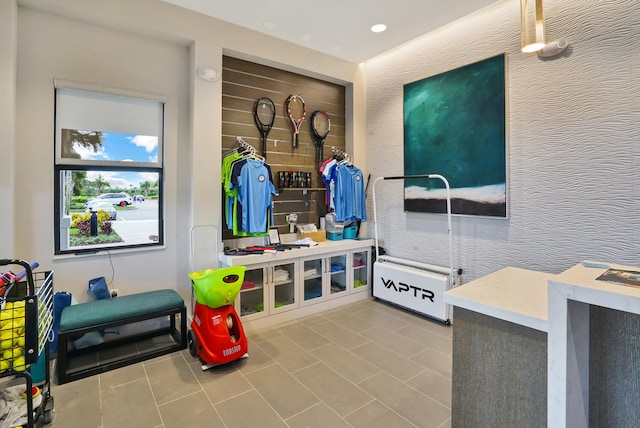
<point x="350" y="232"/>
<point x="317" y="236"/>
<point x="335" y="236"/>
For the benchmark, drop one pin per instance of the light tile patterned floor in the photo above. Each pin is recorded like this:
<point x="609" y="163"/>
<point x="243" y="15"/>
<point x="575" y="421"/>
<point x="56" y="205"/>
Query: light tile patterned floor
<point x="367" y="364"/>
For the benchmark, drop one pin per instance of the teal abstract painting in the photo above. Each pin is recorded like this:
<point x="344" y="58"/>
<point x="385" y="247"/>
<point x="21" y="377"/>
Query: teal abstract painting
<point x="454" y="125"/>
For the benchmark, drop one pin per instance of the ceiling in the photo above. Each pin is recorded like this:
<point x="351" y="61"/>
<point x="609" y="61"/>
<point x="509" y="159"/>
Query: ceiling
<point x="340" y="28"/>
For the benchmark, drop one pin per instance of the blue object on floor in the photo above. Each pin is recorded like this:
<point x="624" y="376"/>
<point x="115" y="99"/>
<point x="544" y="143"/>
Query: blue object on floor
<point x="61" y="300"/>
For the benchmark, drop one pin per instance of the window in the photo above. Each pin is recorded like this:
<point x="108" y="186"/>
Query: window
<point x="108" y="169"/>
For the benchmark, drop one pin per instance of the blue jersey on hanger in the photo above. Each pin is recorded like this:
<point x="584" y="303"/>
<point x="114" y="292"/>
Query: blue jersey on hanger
<point x="349" y="199"/>
<point x="255" y="187"/>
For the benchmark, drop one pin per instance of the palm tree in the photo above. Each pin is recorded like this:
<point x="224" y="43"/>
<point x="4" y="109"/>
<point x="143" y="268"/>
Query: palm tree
<point x="100" y="183"/>
<point x="79" y="180"/>
<point x="85" y="139"/>
<point x="144" y="187"/>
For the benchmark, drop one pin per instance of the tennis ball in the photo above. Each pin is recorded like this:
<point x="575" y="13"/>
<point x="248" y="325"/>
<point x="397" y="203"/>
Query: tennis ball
<point x="5" y="365"/>
<point x="6" y="315"/>
<point x="6" y="344"/>
<point x="19" y="341"/>
<point x="229" y="322"/>
<point x="12" y="353"/>
<point x="19" y="364"/>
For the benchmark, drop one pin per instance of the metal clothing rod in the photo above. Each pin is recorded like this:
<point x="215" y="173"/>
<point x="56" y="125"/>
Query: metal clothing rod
<point x="409" y="177"/>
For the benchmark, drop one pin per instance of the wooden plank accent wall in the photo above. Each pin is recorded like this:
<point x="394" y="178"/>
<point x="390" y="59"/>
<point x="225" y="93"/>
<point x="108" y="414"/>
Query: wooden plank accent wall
<point x="243" y="83"/>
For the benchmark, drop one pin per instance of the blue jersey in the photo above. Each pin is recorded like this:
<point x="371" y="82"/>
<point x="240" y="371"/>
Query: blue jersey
<point x="349" y="199"/>
<point x="254" y="183"/>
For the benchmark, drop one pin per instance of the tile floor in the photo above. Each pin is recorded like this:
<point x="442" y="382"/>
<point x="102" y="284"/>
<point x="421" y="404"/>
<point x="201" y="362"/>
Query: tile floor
<point x="367" y="364"/>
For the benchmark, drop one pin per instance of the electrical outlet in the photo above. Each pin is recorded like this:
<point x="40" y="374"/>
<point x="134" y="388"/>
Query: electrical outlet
<point x="115" y="292"/>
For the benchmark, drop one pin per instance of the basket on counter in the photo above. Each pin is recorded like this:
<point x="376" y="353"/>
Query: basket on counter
<point x="317" y="236"/>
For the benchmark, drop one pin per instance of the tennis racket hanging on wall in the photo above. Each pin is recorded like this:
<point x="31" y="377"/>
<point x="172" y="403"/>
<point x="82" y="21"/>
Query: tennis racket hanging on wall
<point x="320" y="126"/>
<point x="264" y="113"/>
<point x="296" y="110"/>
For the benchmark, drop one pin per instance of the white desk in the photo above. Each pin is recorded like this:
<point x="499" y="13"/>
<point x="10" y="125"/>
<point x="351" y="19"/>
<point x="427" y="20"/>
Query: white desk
<point x="560" y="305"/>
<point x="570" y="295"/>
<point x="510" y="294"/>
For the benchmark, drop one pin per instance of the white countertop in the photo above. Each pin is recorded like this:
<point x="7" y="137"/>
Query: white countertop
<point x="510" y="294"/>
<point x="570" y="295"/>
<point x="579" y="283"/>
<point x="320" y="249"/>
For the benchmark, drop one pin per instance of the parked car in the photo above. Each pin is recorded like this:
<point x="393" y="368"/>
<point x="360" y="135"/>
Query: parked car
<point x="139" y="198"/>
<point x="103" y="205"/>
<point x="121" y="199"/>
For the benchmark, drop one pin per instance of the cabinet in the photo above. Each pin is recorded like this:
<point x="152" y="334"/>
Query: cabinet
<point x="268" y="288"/>
<point x="324" y="277"/>
<point x="361" y="270"/>
<point x="287" y="281"/>
<point x="333" y="275"/>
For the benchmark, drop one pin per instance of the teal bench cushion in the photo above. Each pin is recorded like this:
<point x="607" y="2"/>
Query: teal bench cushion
<point x="108" y="310"/>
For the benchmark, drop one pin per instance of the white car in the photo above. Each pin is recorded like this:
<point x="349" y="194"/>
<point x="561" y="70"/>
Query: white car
<point x="121" y="199"/>
<point x="97" y="205"/>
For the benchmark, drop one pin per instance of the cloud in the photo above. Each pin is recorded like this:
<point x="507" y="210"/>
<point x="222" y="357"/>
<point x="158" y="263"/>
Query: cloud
<point x="150" y="143"/>
<point x="110" y="177"/>
<point x="88" y="153"/>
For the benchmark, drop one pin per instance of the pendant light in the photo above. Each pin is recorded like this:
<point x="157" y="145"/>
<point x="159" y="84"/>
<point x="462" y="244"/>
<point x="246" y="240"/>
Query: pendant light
<point x="532" y="31"/>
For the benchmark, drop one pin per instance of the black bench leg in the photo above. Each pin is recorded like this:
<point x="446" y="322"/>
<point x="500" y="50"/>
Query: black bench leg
<point x="61" y="359"/>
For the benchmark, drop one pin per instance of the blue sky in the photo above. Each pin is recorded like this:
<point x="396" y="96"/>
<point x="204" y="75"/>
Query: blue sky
<point x="125" y="148"/>
<point x="122" y="147"/>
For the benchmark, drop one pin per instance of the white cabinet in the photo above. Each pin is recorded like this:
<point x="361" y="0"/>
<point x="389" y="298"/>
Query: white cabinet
<point x="338" y="274"/>
<point x="331" y="276"/>
<point x="301" y="278"/>
<point x="312" y="280"/>
<point x="361" y="270"/>
<point x="324" y="277"/>
<point x="283" y="287"/>
<point x="268" y="288"/>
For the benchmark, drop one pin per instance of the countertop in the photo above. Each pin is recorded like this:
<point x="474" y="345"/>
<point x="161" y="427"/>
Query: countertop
<point x="510" y="294"/>
<point x="579" y="283"/>
<point x="324" y="247"/>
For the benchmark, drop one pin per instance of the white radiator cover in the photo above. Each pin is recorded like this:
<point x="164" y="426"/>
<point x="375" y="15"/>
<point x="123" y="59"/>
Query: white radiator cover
<point x="412" y="285"/>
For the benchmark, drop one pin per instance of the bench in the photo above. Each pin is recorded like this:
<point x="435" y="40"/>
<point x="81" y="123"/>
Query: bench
<point x="159" y="308"/>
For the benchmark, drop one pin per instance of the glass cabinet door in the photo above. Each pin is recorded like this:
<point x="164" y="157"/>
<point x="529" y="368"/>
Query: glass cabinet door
<point x="251" y="300"/>
<point x="312" y="281"/>
<point x="361" y="273"/>
<point x="338" y="275"/>
<point x="283" y="283"/>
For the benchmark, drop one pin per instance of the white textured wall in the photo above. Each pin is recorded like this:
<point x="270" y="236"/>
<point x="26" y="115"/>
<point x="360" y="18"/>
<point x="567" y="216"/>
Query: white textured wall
<point x="573" y="140"/>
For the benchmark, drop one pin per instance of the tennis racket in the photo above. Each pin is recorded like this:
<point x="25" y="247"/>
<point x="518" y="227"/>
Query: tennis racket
<point x="320" y="126"/>
<point x="264" y="113"/>
<point x="296" y="111"/>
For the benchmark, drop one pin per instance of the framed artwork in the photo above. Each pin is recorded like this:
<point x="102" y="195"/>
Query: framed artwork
<point x="455" y="126"/>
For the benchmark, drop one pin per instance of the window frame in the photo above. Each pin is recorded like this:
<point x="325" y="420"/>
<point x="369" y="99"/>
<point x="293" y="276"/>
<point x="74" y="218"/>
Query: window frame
<point x="62" y="164"/>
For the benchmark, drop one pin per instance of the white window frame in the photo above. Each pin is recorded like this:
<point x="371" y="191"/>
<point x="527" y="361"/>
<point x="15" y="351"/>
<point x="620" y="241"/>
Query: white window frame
<point x="94" y="108"/>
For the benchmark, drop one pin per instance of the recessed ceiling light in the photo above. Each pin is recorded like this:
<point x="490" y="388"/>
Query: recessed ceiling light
<point x="378" y="28"/>
<point x="305" y="38"/>
<point x="270" y="25"/>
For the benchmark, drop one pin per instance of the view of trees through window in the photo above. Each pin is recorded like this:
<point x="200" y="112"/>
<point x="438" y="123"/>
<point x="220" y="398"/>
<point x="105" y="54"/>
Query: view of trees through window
<point x="109" y="184"/>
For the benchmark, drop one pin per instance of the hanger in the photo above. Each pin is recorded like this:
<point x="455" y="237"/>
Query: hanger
<point x="249" y="150"/>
